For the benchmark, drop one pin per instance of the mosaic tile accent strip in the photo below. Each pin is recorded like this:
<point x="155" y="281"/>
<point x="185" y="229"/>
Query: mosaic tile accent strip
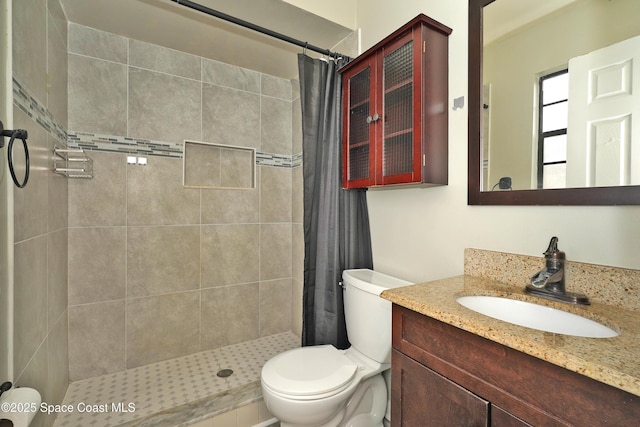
<point x="37" y="111"/>
<point x="177" y="391"/>
<point x="122" y="144"/>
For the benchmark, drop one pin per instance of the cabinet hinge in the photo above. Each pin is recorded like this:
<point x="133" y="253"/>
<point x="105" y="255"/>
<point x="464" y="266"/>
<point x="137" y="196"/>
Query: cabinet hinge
<point x="424" y="46"/>
<point x="424" y="160"/>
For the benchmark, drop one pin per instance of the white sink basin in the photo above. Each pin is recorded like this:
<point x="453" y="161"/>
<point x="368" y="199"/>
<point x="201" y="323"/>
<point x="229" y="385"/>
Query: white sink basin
<point x="536" y="316"/>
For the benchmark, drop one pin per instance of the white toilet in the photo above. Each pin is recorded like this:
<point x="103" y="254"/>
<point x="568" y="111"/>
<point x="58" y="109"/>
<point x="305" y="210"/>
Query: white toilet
<point x="324" y="386"/>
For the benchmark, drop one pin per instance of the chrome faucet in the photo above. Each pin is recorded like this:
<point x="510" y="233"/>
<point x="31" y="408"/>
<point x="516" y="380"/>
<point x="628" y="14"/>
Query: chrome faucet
<point x="550" y="281"/>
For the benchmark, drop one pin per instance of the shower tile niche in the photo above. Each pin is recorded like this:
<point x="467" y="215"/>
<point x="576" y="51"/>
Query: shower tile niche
<point x="207" y="165"/>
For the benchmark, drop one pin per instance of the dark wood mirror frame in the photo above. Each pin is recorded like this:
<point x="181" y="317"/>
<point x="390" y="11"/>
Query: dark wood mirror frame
<point x="626" y="195"/>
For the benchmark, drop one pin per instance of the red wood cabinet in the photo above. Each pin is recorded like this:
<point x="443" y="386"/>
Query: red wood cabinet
<point x="395" y="109"/>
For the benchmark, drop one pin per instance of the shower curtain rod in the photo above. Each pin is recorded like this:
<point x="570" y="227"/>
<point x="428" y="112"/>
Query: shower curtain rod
<point x="254" y="27"/>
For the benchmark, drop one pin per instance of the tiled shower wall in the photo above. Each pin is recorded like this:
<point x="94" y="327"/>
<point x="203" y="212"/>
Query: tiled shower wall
<point x="158" y="271"/>
<point x="40" y="209"/>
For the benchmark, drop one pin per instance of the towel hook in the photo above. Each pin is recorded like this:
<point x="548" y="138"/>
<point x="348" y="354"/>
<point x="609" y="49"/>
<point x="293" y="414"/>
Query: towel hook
<point x="13" y="135"/>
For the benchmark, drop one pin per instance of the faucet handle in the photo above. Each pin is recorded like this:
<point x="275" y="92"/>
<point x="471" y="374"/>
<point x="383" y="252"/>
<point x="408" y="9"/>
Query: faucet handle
<point x="553" y="247"/>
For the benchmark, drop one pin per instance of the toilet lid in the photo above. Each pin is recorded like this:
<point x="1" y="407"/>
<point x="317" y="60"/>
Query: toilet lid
<point x="309" y="371"/>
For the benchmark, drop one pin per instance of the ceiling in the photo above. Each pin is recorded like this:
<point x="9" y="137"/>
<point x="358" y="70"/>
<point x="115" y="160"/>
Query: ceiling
<point x="166" y="23"/>
<point x="503" y="16"/>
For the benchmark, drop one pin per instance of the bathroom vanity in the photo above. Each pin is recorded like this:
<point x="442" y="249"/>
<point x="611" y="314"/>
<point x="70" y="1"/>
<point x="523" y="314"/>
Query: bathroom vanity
<point x="453" y="366"/>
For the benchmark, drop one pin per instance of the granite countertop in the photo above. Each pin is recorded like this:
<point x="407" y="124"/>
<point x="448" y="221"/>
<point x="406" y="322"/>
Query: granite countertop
<point x="613" y="361"/>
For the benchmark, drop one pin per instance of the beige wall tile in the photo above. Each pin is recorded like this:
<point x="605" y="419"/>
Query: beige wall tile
<point x="229" y="315"/>
<point x="57" y="72"/>
<point x="230" y="206"/>
<point x="202" y="165"/>
<point x="297" y="258"/>
<point x="275" y="194"/>
<point x="97" y="263"/>
<point x="96" y="43"/>
<point x="155" y="195"/>
<point x="58" y="193"/>
<point x="171" y="262"/>
<point x="35" y="376"/>
<point x="226" y="75"/>
<point x="296" y="126"/>
<point x="237" y="168"/>
<point x="163" y="107"/>
<point x="102" y="200"/>
<point x="296" y="307"/>
<point x="59" y="18"/>
<point x="297" y="253"/>
<point x="295" y="91"/>
<point x="165" y="60"/>
<point x="30" y="299"/>
<point x="30" y="211"/>
<point x="275" y="117"/>
<point x="275" y="306"/>
<point x="29" y="20"/>
<point x="96" y="339"/>
<point x="57" y="274"/>
<point x="97" y="96"/>
<point x="229" y="253"/>
<point x="275" y="251"/>
<point x="275" y="87"/>
<point x="162" y="260"/>
<point x="162" y="327"/>
<point x="58" y="360"/>
<point x="230" y="116"/>
<point x="40" y="209"/>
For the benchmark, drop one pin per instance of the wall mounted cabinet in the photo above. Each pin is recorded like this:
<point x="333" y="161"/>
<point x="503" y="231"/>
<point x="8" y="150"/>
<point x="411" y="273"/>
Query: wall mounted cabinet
<point x="395" y="109"/>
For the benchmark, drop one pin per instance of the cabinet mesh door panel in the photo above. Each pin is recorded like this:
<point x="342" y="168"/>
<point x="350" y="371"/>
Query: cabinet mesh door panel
<point x="358" y="155"/>
<point x="398" y="111"/>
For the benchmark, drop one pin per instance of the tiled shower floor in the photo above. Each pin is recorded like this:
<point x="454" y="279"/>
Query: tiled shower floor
<point x="177" y="391"/>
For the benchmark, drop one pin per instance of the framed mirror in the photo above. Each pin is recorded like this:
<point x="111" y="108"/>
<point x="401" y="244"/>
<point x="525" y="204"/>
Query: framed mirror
<point x="519" y="153"/>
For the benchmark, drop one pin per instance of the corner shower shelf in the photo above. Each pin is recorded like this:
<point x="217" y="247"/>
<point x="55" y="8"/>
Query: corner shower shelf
<point x="72" y="162"/>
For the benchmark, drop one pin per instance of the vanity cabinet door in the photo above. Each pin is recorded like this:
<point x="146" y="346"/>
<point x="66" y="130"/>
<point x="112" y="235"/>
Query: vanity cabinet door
<point x="501" y="418"/>
<point x="421" y="397"/>
<point x="521" y="388"/>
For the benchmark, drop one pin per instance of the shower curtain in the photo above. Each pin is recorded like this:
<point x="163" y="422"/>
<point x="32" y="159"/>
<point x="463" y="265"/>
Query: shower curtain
<point x="336" y="221"/>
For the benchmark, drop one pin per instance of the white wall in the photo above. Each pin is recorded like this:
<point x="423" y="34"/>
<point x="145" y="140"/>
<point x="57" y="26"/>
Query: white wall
<point x="420" y="234"/>
<point x="342" y="12"/>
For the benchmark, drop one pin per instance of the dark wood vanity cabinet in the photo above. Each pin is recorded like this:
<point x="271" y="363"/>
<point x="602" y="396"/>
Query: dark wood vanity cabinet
<point x="444" y="376"/>
<point x="395" y="109"/>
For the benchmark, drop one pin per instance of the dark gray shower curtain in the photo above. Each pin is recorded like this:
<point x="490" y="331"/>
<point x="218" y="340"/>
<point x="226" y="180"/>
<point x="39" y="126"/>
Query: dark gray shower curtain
<point x="336" y="221"/>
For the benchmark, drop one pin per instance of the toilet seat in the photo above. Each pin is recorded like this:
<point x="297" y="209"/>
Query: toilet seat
<point x="309" y="372"/>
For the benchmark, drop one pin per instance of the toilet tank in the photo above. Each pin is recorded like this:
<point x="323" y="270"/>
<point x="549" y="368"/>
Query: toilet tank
<point x="368" y="316"/>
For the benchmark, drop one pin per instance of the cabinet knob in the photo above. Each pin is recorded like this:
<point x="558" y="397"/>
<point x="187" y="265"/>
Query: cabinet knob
<point x="373" y="118"/>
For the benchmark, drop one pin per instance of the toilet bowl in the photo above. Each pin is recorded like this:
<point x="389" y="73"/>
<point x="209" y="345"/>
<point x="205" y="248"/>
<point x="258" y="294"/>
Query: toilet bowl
<point x="323" y="386"/>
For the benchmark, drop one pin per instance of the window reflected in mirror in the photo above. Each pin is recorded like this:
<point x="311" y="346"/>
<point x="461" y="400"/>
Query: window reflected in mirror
<point x="553" y="97"/>
<point x="543" y="125"/>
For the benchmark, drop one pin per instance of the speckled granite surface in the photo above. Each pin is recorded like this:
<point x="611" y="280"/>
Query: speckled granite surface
<point x="608" y="285"/>
<point x="613" y="361"/>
